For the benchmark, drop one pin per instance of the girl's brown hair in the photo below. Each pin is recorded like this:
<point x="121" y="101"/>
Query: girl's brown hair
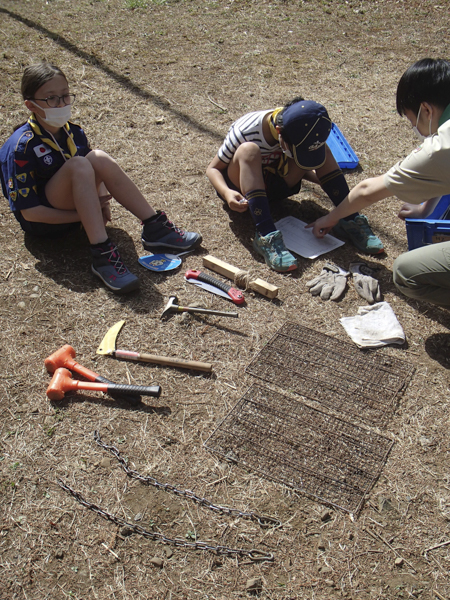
<point x="36" y="75"/>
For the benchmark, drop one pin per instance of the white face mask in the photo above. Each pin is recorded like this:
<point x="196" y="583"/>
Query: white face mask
<point x="285" y="150"/>
<point x="417" y="132"/>
<point x="56" y="117"/>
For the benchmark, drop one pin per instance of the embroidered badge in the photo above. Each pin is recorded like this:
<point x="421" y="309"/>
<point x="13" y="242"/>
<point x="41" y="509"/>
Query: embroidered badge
<point x="21" y="163"/>
<point x="48" y="160"/>
<point x="41" y="150"/>
<point x="24" y="192"/>
<point x="22" y="177"/>
<point x="315" y="146"/>
<point x="10" y="183"/>
<point x="13" y="195"/>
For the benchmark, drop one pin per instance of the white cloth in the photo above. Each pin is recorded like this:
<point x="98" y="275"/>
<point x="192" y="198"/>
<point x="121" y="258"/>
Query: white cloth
<point x="374" y="326"/>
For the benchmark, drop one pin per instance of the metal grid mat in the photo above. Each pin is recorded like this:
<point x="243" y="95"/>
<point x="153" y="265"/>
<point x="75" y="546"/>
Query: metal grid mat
<point x="308" y="450"/>
<point x="336" y="374"/>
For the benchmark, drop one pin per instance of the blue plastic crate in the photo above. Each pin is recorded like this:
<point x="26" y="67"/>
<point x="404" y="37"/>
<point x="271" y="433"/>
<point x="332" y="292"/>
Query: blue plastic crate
<point x="422" y="232"/>
<point x="341" y="149"/>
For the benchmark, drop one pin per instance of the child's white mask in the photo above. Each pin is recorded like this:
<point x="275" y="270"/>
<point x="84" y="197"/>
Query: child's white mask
<point x="56" y="117"/>
<point x="284" y="148"/>
<point x="417" y="132"/>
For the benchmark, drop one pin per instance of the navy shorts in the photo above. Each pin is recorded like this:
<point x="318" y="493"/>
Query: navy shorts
<point x="48" y="230"/>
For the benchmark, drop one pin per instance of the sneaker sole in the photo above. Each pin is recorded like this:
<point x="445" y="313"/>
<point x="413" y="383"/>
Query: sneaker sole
<point x="131" y="287"/>
<point x="153" y="245"/>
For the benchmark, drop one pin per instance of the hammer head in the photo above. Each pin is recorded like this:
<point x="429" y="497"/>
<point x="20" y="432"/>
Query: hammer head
<point x="61" y="358"/>
<point x="171" y="306"/>
<point x="60" y="384"/>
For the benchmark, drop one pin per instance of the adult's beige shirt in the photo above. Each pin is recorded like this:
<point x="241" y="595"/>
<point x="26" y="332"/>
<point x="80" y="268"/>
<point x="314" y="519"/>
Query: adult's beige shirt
<point x="425" y="173"/>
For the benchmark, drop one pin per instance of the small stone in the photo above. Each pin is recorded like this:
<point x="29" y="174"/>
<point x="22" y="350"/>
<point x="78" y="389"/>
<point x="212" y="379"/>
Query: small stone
<point x="126" y="531"/>
<point x="329" y="582"/>
<point x="138" y="517"/>
<point x="398" y="561"/>
<point x="321" y="544"/>
<point x="326" y="570"/>
<point x="168" y="552"/>
<point x="254" y="584"/>
<point x="105" y="462"/>
<point x="157" y="562"/>
<point x="21" y="305"/>
<point x="160" y="120"/>
<point x="325" y="516"/>
<point x="59" y="554"/>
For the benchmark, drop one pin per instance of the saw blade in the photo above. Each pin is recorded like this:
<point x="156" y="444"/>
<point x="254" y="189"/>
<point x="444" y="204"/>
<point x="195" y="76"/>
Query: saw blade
<point x="209" y="288"/>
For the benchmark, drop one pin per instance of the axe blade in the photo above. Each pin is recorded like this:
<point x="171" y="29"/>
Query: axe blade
<point x="108" y="345"/>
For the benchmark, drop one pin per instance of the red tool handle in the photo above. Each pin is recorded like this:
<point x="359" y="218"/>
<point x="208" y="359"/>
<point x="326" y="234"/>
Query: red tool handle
<point x="235" y="295"/>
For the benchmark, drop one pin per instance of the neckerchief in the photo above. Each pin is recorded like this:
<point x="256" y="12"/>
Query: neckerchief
<point x="273" y="122"/>
<point x="282" y="167"/>
<point x="32" y="121"/>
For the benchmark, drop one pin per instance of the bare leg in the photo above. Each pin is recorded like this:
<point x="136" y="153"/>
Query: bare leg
<point x="119" y="185"/>
<point x="74" y="187"/>
<point x="245" y="168"/>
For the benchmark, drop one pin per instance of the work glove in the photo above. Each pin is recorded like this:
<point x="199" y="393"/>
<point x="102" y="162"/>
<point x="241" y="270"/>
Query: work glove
<point x="365" y="284"/>
<point x="330" y="284"/>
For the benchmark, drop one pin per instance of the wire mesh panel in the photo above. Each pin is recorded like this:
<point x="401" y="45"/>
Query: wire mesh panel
<point x="317" y="454"/>
<point x="336" y="374"/>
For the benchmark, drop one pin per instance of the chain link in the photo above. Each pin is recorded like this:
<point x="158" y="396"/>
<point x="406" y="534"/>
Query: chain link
<point x="253" y="555"/>
<point x="262" y="520"/>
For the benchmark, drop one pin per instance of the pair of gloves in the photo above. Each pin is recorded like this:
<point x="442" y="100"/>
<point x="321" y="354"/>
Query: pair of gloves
<point x="332" y="281"/>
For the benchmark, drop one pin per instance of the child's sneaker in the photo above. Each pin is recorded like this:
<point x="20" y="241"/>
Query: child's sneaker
<point x="272" y="248"/>
<point x="160" y="232"/>
<point x="108" y="266"/>
<point x="359" y="232"/>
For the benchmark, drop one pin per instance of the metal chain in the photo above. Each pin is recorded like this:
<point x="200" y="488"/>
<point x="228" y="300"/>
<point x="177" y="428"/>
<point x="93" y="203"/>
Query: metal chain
<point x="262" y="520"/>
<point x="253" y="555"/>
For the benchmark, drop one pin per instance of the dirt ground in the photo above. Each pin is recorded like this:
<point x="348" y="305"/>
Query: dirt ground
<point x="158" y="83"/>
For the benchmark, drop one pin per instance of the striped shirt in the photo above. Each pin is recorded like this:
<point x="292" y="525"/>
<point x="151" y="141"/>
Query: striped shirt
<point x="249" y="129"/>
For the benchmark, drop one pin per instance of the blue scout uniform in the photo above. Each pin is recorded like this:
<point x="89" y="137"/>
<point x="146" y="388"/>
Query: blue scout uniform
<point x="30" y="158"/>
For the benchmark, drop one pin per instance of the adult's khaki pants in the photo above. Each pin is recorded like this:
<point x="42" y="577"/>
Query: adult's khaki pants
<point x="424" y="273"/>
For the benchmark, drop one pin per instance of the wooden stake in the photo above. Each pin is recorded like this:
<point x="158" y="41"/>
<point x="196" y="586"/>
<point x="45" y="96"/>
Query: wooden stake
<point x="258" y="285"/>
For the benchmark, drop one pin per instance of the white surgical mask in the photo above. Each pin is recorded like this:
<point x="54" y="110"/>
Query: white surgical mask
<point x="56" y="117"/>
<point x="285" y="150"/>
<point x="417" y="132"/>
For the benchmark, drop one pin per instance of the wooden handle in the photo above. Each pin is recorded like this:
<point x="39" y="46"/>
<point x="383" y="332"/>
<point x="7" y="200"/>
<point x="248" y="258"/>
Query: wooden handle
<point x="164" y="360"/>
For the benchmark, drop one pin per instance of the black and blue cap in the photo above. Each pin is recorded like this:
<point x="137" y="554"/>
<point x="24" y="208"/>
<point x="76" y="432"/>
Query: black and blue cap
<point x="307" y="127"/>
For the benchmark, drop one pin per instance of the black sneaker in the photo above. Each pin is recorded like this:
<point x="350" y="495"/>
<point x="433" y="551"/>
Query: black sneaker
<point x="162" y="233"/>
<point x="108" y="266"/>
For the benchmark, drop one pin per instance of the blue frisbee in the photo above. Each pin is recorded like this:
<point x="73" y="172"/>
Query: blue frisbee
<point x="160" y="262"/>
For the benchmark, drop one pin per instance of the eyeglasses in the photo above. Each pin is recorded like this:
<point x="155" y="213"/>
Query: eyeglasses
<point x="53" y="101"/>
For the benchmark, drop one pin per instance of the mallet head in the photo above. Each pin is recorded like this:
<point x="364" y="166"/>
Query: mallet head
<point x="61" y="358"/>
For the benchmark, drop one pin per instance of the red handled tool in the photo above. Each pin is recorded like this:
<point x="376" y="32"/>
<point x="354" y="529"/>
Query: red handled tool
<point x="234" y="295"/>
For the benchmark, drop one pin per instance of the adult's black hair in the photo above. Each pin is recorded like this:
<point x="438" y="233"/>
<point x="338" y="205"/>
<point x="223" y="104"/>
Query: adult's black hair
<point x="427" y="80"/>
<point x="279" y="117"/>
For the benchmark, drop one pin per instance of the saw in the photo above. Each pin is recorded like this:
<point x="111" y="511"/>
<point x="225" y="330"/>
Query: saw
<point x="214" y="286"/>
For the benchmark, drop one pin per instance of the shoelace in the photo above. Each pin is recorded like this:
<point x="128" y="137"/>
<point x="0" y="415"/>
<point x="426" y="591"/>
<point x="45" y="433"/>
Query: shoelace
<point x="114" y="258"/>
<point x="364" y="227"/>
<point x="170" y="225"/>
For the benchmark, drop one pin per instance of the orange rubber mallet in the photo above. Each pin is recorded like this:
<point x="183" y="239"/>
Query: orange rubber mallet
<point x="62" y="383"/>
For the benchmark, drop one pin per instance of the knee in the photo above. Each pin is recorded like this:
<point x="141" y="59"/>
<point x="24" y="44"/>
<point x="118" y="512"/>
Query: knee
<point x="99" y="159"/>
<point x="248" y="152"/>
<point x="79" y="166"/>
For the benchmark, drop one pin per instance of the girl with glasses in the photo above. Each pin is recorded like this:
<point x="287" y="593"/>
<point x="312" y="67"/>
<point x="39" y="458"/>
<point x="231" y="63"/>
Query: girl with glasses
<point x="54" y="180"/>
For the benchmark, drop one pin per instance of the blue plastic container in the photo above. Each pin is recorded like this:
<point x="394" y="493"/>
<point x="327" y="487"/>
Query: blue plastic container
<point x="422" y="232"/>
<point x="341" y="149"/>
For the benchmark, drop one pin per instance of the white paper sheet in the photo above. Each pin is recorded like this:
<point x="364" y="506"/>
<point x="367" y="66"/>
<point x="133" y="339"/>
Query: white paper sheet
<point x="302" y="241"/>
